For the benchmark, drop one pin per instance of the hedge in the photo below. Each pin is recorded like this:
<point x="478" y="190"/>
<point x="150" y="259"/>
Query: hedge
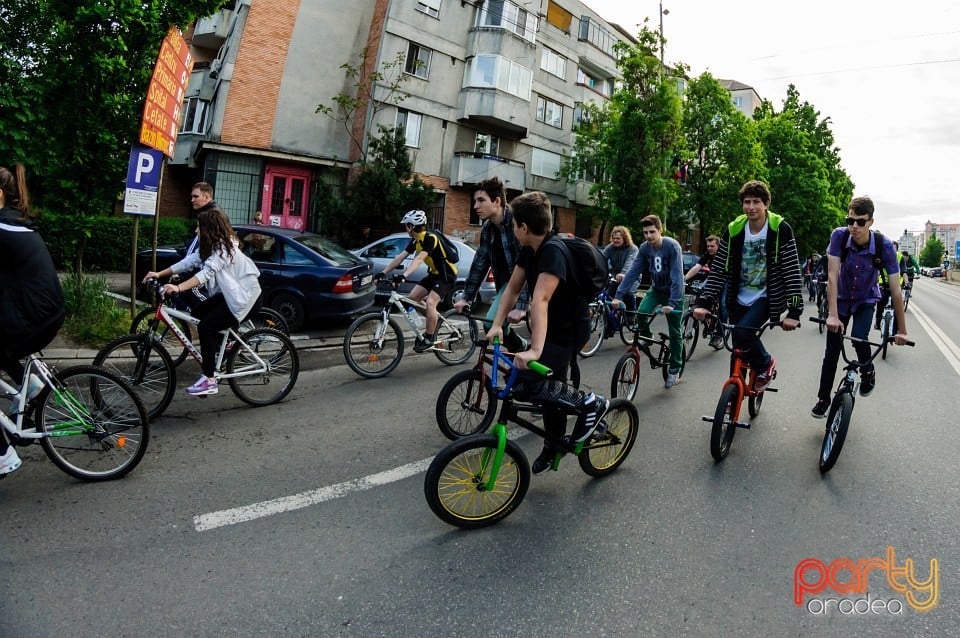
<point x="108" y="244"/>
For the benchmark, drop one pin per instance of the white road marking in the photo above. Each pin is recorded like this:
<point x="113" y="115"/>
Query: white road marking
<point x="213" y="520"/>
<point x="949" y="349"/>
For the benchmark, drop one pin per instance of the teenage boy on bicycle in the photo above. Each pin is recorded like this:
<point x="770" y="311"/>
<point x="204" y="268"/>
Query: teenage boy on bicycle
<point x="441" y="275"/>
<point x="559" y="323"/>
<point x="498" y="251"/>
<point x="662" y="258"/>
<point x="698" y="272"/>
<point x="758" y="262"/>
<point x="852" y="291"/>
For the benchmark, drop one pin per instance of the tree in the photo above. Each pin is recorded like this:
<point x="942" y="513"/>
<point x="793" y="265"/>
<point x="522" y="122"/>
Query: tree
<point x="932" y="253"/>
<point x="74" y="75"/>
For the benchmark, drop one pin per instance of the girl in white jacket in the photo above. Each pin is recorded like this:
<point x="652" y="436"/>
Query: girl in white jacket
<point x="233" y="287"/>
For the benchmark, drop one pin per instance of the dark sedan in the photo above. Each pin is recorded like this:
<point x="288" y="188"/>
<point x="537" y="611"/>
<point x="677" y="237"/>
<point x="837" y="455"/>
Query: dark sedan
<point x="304" y="276"/>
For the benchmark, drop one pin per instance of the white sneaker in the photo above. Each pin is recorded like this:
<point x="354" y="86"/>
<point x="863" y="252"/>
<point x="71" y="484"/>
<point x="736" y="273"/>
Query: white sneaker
<point x="9" y="462"/>
<point x="673" y="378"/>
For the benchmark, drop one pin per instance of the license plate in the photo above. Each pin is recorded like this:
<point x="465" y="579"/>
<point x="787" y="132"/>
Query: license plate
<point x="366" y="280"/>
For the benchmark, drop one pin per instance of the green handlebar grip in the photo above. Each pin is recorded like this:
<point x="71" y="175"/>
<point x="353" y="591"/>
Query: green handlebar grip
<point x="539" y="368"/>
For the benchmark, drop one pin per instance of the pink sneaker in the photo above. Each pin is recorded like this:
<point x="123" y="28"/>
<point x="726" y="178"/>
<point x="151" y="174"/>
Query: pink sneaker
<point x="764" y="378"/>
<point x="203" y="387"/>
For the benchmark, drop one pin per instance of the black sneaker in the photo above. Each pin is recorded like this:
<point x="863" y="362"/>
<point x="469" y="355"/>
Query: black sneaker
<point x="867" y="381"/>
<point x="819" y="411"/>
<point x="422" y="345"/>
<point x="545" y="461"/>
<point x="588" y="422"/>
<point x="716" y="342"/>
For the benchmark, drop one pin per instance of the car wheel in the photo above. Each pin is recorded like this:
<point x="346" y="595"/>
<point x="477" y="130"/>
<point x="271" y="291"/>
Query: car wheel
<point x="290" y="308"/>
<point x="454" y="296"/>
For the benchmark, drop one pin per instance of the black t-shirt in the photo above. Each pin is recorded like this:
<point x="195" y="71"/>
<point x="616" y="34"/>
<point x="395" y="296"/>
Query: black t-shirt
<point x="499" y="261"/>
<point x="436" y="264"/>
<point x="706" y="263"/>
<point x="567" y="314"/>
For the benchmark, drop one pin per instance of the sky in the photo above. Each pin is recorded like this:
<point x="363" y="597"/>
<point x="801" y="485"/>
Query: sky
<point x="886" y="74"/>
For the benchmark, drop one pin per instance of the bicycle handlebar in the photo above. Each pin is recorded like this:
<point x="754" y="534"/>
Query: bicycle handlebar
<point x="507" y="360"/>
<point x="890" y="339"/>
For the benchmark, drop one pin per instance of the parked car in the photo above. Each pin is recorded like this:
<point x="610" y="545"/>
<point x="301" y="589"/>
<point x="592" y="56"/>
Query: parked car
<point x="935" y="271"/>
<point x="304" y="276"/>
<point x="689" y="260"/>
<point x="382" y="251"/>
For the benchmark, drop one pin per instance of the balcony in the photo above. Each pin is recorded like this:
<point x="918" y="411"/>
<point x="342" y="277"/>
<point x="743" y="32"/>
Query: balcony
<point x="210" y="32"/>
<point x="472" y="168"/>
<point x="505" y="114"/>
<point x="579" y="193"/>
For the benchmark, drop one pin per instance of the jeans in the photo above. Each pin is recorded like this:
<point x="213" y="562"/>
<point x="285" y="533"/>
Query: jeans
<point x="862" y="318"/>
<point x="751" y="318"/>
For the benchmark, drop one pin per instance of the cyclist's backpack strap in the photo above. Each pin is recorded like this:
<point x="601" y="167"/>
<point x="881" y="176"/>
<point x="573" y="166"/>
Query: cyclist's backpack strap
<point x="877" y="249"/>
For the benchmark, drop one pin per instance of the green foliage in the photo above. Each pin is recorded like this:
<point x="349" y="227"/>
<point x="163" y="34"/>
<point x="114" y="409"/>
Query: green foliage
<point x="932" y="253"/>
<point x="93" y="317"/>
<point x="74" y="75"/>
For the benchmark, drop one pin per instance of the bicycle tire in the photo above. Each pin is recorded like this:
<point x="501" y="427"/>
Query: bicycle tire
<point x="723" y="430"/>
<point x="145" y="321"/>
<point x="626" y="377"/>
<point x="146" y="366"/>
<point x="595" y="338"/>
<point x="283" y="362"/>
<point x="691" y="335"/>
<point x="610" y="445"/>
<point x="884" y="335"/>
<point x="627" y="327"/>
<point x="665" y="368"/>
<point x="98" y="425"/>
<point x="838" y="422"/>
<point x="453" y="482"/>
<point x="267" y="317"/>
<point x="458" y="335"/>
<point x="364" y="355"/>
<point x="906" y="300"/>
<point x="465" y="405"/>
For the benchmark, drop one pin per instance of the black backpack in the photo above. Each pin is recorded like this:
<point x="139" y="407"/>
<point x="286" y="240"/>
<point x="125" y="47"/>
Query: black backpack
<point x="587" y="264"/>
<point x="450" y="251"/>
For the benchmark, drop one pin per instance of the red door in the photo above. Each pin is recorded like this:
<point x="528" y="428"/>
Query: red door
<point x="285" y="197"/>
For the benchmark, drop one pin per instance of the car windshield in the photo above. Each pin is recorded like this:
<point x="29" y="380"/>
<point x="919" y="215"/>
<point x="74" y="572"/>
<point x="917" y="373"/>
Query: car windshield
<point x="329" y="249"/>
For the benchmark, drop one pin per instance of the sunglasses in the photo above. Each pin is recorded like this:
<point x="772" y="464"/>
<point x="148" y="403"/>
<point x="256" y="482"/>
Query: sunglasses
<point x="859" y="222"/>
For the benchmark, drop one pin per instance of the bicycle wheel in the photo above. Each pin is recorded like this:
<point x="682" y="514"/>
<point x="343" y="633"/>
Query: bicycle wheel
<point x="613" y="440"/>
<point x="838" y="421"/>
<point x="97" y="424"/>
<point x="146" y="366"/>
<point x="372" y="347"/>
<point x="455" y="484"/>
<point x="822" y="312"/>
<point x="626" y="376"/>
<point x="597" y="328"/>
<point x="906" y="299"/>
<point x="268" y="318"/>
<point x="664" y="369"/>
<point x="691" y="335"/>
<point x="724" y="419"/>
<point x="465" y="405"/>
<point x="754" y="403"/>
<point x="283" y="367"/>
<point x="885" y="334"/>
<point x="456" y="338"/>
<point x="145" y="321"/>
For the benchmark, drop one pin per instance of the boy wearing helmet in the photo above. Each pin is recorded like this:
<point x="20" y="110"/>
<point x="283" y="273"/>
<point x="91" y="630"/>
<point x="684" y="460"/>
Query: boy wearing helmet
<point x="441" y="275"/>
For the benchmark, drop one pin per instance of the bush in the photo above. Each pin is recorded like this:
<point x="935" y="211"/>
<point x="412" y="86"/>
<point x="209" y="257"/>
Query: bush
<point x="93" y="317"/>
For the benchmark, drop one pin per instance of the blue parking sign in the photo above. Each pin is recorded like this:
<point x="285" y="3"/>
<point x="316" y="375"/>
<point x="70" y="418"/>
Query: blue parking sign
<point x="143" y="181"/>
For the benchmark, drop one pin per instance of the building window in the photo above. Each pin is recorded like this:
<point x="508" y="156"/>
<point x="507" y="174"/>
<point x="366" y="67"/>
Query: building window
<point x="738" y="101"/>
<point x="559" y="17"/>
<point x="430" y="7"/>
<point x="592" y="32"/>
<point x="601" y="86"/>
<point x="553" y="63"/>
<point x="549" y="112"/>
<point x="194" y="115"/>
<point x="497" y="72"/>
<point x="507" y="15"/>
<point x="580" y="115"/>
<point x="410" y="122"/>
<point x="545" y="163"/>
<point x="418" y="61"/>
<point x="487" y="144"/>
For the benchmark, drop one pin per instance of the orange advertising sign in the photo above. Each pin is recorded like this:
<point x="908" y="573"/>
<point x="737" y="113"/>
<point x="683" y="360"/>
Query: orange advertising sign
<point x="161" y="113"/>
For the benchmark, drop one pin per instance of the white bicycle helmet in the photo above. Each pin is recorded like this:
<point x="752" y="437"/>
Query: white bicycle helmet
<point x="414" y="218"/>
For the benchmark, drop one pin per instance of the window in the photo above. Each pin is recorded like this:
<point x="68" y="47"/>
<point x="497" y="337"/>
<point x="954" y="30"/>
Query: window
<point x="497" y="72"/>
<point x="553" y="63"/>
<point x="559" y="17"/>
<point x="193" y="117"/>
<point x="506" y="15"/>
<point x="410" y="123"/>
<point x="549" y="112"/>
<point x="738" y="101"/>
<point x="592" y="32"/>
<point x="545" y="163"/>
<point x="430" y="7"/>
<point x="580" y="115"/>
<point x="600" y="86"/>
<point x="487" y="144"/>
<point x="418" y="61"/>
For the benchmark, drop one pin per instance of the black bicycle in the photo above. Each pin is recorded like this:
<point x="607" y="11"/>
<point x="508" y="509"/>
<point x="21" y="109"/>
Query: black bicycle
<point x="841" y="408"/>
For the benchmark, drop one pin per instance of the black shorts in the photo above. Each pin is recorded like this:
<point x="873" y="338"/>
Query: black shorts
<point x="435" y="284"/>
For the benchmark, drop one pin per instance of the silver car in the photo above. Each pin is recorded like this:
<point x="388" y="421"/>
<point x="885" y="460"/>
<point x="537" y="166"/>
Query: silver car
<point x="385" y="249"/>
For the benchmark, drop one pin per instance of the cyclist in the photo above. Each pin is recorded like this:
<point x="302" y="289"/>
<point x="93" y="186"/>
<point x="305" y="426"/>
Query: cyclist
<point x="909" y="265"/>
<point x="232" y="281"/>
<point x="852" y="292"/>
<point x="662" y="258"/>
<point x="698" y="272"/>
<point x="883" y="280"/>
<point x="559" y="321"/>
<point x="498" y="252"/>
<point x="441" y="276"/>
<point x="621" y="252"/>
<point x="820" y="276"/>
<point x="31" y="300"/>
<point x="758" y="262"/>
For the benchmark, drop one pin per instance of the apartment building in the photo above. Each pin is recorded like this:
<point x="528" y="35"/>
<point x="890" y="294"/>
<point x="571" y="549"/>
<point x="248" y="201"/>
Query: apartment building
<point x="491" y="88"/>
<point x="745" y="98"/>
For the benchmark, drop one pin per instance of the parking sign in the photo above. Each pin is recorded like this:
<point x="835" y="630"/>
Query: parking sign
<point x="143" y="181"/>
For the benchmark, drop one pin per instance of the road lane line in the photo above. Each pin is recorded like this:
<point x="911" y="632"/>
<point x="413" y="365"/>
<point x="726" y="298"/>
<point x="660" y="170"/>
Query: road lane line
<point x="246" y="513"/>
<point x="949" y="349"/>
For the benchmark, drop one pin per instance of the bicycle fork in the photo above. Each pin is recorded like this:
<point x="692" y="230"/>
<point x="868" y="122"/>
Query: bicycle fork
<point x="491" y="460"/>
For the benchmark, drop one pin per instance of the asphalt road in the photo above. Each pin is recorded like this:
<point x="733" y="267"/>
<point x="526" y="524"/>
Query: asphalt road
<point x="308" y="518"/>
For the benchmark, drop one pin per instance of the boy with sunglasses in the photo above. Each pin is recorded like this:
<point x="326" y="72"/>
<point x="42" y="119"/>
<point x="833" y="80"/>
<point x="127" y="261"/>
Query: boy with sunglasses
<point x="852" y="293"/>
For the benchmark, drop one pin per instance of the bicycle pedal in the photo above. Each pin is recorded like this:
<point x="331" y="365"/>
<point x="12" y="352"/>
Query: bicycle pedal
<point x="769" y="389"/>
<point x="741" y="424"/>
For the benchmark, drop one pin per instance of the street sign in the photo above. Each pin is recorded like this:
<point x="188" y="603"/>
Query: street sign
<point x="143" y="181"/>
<point x="956" y="254"/>
<point x="161" y="112"/>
